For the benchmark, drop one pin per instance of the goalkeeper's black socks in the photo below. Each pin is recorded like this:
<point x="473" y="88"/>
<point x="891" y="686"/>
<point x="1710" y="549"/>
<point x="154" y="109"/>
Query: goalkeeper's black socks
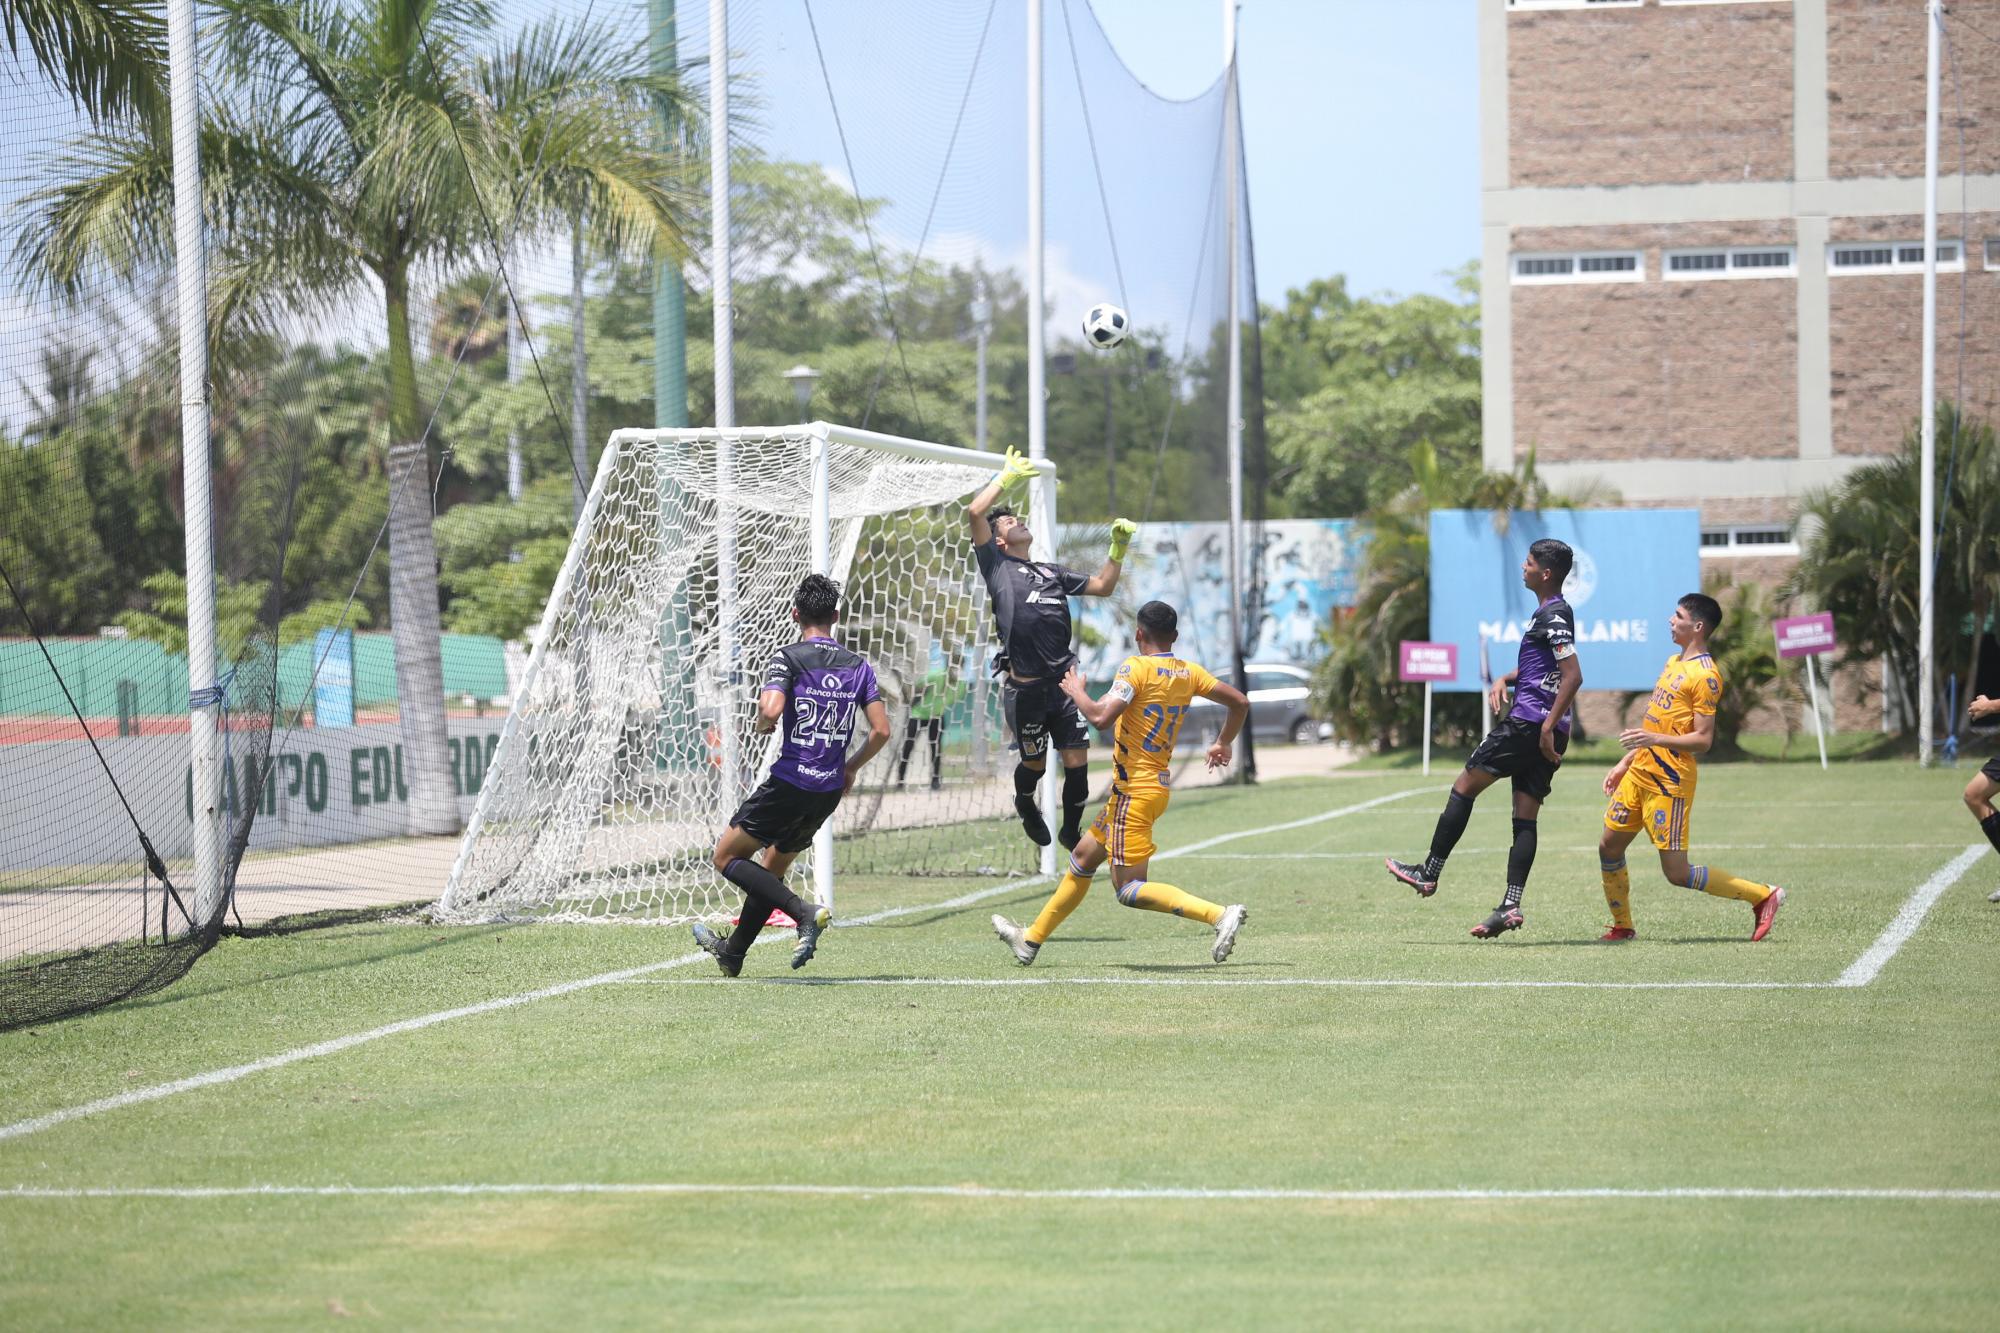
<point x="1076" y="795"/>
<point x="1990" y="826"/>
<point x="1037" y="827"/>
<point x="1450" y="828"/>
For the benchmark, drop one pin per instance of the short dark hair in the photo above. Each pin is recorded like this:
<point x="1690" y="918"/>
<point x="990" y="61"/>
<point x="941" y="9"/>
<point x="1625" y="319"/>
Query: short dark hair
<point x="1554" y="556"/>
<point x="1161" y="622"/>
<point x="1705" y="609"/>
<point x="998" y="512"/>
<point x="817" y="601"/>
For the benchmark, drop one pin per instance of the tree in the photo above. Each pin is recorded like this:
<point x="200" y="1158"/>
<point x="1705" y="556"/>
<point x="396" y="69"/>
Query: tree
<point x="1354" y="384"/>
<point x="1746" y="652"/>
<point x="1859" y="557"/>
<point x="110" y="55"/>
<point x="373" y="141"/>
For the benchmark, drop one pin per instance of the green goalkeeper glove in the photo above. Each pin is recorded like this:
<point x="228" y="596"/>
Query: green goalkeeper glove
<point x="1018" y="468"/>
<point x="1123" y="530"/>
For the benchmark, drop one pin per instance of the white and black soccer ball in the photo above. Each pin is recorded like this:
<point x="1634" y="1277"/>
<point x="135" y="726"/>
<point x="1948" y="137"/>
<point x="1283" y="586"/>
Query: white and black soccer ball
<point x="1106" y="326"/>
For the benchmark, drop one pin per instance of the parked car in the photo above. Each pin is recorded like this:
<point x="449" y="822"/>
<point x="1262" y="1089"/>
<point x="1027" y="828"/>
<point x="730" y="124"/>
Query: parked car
<point x="1279" y="710"/>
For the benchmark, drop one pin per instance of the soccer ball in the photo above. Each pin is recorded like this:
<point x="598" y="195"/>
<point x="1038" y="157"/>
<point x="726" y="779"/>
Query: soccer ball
<point x="1106" y="326"/>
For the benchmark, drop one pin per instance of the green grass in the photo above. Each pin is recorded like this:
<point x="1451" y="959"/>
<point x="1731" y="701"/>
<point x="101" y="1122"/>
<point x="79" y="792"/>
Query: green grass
<point x="683" y="1077"/>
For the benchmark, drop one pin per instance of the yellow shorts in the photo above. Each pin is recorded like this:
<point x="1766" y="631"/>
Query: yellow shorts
<point x="1125" y="826"/>
<point x="1639" y="803"/>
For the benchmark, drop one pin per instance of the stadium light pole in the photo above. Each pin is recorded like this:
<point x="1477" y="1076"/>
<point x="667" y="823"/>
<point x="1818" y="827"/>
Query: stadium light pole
<point x="1927" y="424"/>
<point x="982" y="329"/>
<point x="1233" y="148"/>
<point x="1043" y="488"/>
<point x="191" y="281"/>
<point x="802" y="378"/>
<point x="725" y="379"/>
<point x="579" y="372"/>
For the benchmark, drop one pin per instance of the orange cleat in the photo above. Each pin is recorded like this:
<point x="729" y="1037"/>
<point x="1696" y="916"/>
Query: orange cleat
<point x="1618" y="934"/>
<point x="1767" y="912"/>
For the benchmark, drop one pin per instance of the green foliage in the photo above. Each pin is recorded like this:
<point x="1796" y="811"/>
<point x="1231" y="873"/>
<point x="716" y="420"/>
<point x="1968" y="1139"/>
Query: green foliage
<point x="1353" y="384"/>
<point x="1746" y="652"/>
<point x="1860" y="553"/>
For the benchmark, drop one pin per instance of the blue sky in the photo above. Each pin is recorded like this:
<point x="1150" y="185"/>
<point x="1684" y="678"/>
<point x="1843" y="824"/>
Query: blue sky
<point x="1361" y="122"/>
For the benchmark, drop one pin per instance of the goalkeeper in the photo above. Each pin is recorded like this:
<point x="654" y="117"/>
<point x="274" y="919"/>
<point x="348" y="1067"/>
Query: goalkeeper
<point x="1031" y="611"/>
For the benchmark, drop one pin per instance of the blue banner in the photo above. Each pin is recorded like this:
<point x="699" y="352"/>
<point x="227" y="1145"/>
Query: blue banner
<point x="1632" y="566"/>
<point x="333" y="684"/>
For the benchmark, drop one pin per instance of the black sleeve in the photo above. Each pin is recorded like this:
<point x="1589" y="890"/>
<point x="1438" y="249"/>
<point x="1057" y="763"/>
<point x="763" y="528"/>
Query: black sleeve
<point x="1557" y="626"/>
<point x="780" y="674"/>
<point x="987" y="553"/>
<point x="1072" y="582"/>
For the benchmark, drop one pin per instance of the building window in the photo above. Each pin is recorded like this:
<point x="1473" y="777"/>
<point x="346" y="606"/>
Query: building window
<point x="1725" y="2"/>
<point x="1748" y="539"/>
<point x="1993" y="254"/>
<point x="1890" y="257"/>
<point x="1733" y="261"/>
<point x="1574" y="4"/>
<point x="1580" y="266"/>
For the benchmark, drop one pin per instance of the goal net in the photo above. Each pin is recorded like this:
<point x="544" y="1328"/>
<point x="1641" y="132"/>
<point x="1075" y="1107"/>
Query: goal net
<point x="630" y="739"/>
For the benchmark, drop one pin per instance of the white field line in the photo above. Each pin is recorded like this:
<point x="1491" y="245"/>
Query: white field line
<point x="215" y="1077"/>
<point x="1279" y="982"/>
<point x="1870" y="964"/>
<point x="981" y="1192"/>
<point x="1579" y="849"/>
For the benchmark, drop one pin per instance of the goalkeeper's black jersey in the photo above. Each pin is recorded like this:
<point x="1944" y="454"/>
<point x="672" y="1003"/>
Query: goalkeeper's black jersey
<point x="1030" y="609"/>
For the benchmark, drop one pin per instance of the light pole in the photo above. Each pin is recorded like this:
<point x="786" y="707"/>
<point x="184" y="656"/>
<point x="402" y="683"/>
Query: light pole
<point x="982" y="329"/>
<point x="802" y="378"/>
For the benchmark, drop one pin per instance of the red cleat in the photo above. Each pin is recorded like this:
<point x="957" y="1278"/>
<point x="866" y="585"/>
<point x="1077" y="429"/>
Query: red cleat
<point x="1767" y="912"/>
<point x="1618" y="934"/>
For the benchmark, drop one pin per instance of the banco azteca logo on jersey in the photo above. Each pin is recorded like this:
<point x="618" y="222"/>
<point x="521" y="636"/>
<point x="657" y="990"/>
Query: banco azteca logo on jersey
<point x="829" y="681"/>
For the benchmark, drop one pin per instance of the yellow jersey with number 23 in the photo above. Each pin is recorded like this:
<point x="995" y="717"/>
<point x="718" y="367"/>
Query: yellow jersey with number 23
<point x="1157" y="689"/>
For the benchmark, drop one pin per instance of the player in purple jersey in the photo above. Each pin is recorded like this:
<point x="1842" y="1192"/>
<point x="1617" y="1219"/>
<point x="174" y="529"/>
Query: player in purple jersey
<point x="1527" y="745"/>
<point x="1985" y="785"/>
<point x="814" y="690"/>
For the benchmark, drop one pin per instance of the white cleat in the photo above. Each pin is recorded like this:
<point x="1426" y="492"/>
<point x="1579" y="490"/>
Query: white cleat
<point x="1225" y="930"/>
<point x="1993" y="897"/>
<point x="1017" y="940"/>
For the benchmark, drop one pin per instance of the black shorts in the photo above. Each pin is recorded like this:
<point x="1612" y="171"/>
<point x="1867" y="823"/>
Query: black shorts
<point x="1513" y="749"/>
<point x="1991" y="769"/>
<point x="1038" y="712"/>
<point x="780" y="815"/>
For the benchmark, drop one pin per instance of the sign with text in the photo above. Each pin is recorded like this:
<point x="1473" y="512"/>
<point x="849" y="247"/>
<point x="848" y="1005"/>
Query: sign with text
<point x="1419" y="661"/>
<point x="1632" y="566"/>
<point x="1804" y="636"/>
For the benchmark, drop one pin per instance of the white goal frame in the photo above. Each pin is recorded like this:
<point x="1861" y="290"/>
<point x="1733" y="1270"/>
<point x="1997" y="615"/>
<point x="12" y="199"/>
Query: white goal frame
<point x="821" y="560"/>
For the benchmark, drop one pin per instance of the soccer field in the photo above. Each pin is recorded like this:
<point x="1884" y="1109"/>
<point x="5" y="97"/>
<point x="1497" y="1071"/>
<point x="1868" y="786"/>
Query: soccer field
<point x="1366" y="1117"/>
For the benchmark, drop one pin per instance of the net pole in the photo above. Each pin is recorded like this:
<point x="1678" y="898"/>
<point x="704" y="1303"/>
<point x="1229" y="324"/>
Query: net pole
<point x="982" y="328"/>
<point x="1044" y="548"/>
<point x="1038" y="445"/>
<point x="191" y="279"/>
<point x="1927" y="421"/>
<point x="728" y="625"/>
<point x="1235" y="394"/>
<point x="822" y="563"/>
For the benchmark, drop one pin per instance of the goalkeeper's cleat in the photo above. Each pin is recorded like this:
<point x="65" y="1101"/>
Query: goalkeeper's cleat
<point x="1766" y="912"/>
<point x="810" y="929"/>
<point x="1615" y="935"/>
<point x="1017" y="939"/>
<point x="731" y="964"/>
<point x="1502" y="920"/>
<point x="1031" y="818"/>
<point x="1411" y="874"/>
<point x="1069" y="835"/>
<point x="1993" y="897"/>
<point x="1232" y="921"/>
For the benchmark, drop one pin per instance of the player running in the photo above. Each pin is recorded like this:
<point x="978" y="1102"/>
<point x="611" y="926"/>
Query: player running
<point x="1526" y="746"/>
<point x="1148" y="700"/>
<point x="1652" y="787"/>
<point x="1031" y="609"/>
<point x="1985" y="784"/>
<point x="814" y="688"/>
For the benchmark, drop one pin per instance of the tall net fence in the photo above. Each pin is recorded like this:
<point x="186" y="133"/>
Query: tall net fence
<point x="451" y="249"/>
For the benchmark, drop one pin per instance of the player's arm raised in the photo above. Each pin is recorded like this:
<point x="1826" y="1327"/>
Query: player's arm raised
<point x="1233" y="699"/>
<point x="1105" y="581"/>
<point x="1098" y="713"/>
<point x="1696" y="740"/>
<point x="1016" y="469"/>
<point x="1572" y="681"/>
<point x="878" y="736"/>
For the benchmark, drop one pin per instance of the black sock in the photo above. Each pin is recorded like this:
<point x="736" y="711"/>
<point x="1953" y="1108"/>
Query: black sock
<point x="765" y="890"/>
<point x="748" y="923"/>
<point x="1990" y="826"/>
<point x="1450" y="828"/>
<point x="1520" y="860"/>
<point x="1025" y="779"/>
<point x="1076" y="795"/>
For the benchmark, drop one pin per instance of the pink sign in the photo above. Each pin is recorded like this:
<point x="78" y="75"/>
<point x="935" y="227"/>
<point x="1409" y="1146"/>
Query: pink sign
<point x="1427" y="661"/>
<point x="1804" y="636"/>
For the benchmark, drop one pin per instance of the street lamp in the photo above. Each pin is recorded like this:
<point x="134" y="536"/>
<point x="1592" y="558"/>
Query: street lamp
<point x="802" y="377"/>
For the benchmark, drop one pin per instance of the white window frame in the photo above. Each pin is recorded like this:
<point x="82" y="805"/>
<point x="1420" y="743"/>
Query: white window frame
<point x="1735" y="541"/>
<point x="1574" y="4"/>
<point x="1637" y="273"/>
<point x="1725" y="2"/>
<point x="1729" y="270"/>
<point x="1896" y="263"/>
<point x="1993" y="254"/>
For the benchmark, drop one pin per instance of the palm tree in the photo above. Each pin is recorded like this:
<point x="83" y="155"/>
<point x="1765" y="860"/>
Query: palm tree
<point x="111" y="55"/>
<point x="375" y="141"/>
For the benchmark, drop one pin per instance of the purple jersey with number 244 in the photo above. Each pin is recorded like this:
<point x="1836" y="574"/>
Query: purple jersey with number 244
<point x="826" y="688"/>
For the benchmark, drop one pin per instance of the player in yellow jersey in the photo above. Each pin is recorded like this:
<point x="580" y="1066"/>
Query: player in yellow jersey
<point x="1148" y="700"/>
<point x="1652" y="787"/>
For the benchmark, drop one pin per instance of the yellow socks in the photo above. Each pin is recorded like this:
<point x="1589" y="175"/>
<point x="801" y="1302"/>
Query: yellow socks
<point x="1073" y="889"/>
<point x="1157" y="897"/>
<point x="1617" y="891"/>
<point x="1719" y="882"/>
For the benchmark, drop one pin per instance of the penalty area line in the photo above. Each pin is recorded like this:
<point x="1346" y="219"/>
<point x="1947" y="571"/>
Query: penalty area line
<point x="1918" y="905"/>
<point x="233" y="1073"/>
<point x="1142" y="1194"/>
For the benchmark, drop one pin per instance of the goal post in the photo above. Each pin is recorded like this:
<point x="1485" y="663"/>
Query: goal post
<point x="631" y="735"/>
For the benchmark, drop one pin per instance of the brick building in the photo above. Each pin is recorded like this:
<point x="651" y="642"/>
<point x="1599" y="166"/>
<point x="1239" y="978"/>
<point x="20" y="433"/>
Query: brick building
<point x="1702" y="251"/>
